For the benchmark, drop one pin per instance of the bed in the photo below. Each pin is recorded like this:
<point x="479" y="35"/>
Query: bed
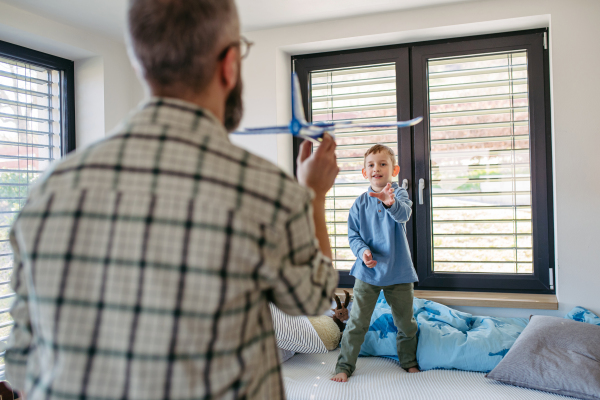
<point x="306" y="377"/>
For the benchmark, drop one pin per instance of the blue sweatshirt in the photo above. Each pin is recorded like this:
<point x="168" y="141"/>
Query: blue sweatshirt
<point x="383" y="231"/>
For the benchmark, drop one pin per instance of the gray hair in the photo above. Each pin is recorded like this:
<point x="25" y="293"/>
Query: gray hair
<point x="176" y="42"/>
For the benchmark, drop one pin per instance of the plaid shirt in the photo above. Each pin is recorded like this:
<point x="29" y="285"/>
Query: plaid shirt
<point x="145" y="263"/>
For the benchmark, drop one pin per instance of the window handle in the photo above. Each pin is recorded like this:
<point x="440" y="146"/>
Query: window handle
<point x="421" y="187"/>
<point x="405" y="184"/>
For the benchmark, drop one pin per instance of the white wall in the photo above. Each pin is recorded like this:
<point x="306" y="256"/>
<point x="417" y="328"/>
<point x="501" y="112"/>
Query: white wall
<point x="106" y="87"/>
<point x="574" y="33"/>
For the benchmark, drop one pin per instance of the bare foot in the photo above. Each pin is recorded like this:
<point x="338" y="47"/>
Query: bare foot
<point x="412" y="370"/>
<point x="341" y="377"/>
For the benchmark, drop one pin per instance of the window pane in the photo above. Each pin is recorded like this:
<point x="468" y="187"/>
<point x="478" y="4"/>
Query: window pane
<point x="366" y="94"/>
<point x="30" y="139"/>
<point x="480" y="168"/>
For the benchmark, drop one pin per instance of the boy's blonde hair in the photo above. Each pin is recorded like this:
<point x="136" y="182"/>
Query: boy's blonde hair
<point x="378" y="148"/>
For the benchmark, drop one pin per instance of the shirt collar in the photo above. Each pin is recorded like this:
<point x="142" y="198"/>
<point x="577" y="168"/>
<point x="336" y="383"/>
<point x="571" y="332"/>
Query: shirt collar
<point x="180" y="113"/>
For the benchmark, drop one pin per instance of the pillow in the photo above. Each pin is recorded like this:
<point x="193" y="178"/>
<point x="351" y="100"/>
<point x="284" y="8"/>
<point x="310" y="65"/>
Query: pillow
<point x="295" y="333"/>
<point x="284" y="355"/>
<point x="555" y="355"/>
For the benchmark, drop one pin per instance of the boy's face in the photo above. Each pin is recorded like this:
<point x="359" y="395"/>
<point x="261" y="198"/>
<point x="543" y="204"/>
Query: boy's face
<point x="379" y="170"/>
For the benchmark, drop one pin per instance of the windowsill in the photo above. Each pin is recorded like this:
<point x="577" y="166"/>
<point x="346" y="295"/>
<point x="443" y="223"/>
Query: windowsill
<point x="484" y="299"/>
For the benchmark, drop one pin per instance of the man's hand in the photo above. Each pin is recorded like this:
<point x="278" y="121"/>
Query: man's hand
<point x="319" y="169"/>
<point x="386" y="195"/>
<point x="368" y="259"/>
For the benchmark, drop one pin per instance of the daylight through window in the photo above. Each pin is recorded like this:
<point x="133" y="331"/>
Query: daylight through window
<point x="30" y="138"/>
<point x="480" y="171"/>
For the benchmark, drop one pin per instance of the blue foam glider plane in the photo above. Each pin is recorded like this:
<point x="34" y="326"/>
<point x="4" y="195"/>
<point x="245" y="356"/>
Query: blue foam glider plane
<point x="298" y="126"/>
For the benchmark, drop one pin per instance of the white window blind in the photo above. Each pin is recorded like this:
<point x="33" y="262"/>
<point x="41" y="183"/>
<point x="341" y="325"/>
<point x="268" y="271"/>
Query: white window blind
<point x="480" y="164"/>
<point x="365" y="94"/>
<point x="30" y="138"/>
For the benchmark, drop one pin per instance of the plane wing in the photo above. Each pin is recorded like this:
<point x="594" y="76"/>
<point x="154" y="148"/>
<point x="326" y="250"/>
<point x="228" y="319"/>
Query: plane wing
<point x="399" y="124"/>
<point x="314" y="131"/>
<point x="270" y="130"/>
<point x="275" y="130"/>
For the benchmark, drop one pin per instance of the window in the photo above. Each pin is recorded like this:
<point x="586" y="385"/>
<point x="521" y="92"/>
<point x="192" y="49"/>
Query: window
<point x="479" y="163"/>
<point x="484" y="218"/>
<point x="36" y="127"/>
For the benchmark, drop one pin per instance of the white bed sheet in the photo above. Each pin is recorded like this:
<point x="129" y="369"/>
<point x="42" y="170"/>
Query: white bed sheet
<point x="306" y="377"/>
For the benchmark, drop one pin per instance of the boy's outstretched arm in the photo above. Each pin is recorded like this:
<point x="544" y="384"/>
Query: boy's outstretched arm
<point x="401" y="210"/>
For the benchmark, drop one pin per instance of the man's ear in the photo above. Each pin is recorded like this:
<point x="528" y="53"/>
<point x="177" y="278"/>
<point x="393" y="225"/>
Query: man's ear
<point x="228" y="68"/>
<point x="364" y="171"/>
<point x="396" y="171"/>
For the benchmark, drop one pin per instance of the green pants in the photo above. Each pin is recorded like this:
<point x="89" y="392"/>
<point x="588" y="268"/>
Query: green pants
<point x="400" y="299"/>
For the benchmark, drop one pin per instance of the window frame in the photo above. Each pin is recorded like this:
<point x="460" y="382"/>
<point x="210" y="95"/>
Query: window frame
<point x="67" y="96"/>
<point x="67" y="68"/>
<point x="412" y="100"/>
<point x="540" y="164"/>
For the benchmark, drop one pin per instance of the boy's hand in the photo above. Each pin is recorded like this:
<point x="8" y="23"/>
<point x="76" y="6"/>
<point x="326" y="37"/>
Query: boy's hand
<point x="319" y="169"/>
<point x="386" y="195"/>
<point x="368" y="259"/>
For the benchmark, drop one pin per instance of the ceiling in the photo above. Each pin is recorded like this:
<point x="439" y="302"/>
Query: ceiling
<point x="261" y="14"/>
<point x="107" y="17"/>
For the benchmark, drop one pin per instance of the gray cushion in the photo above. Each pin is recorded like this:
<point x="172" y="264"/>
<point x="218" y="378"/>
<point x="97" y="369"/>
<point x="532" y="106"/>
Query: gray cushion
<point x="554" y="355"/>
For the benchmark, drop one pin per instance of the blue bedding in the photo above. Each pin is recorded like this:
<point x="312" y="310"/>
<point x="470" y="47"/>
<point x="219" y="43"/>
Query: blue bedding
<point x="450" y="339"/>
<point x="580" y="314"/>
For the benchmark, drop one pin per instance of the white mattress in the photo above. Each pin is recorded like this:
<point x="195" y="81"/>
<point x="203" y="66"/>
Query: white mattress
<point x="306" y="377"/>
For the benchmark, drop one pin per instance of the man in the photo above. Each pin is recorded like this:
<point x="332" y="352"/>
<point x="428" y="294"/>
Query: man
<point x="144" y="264"/>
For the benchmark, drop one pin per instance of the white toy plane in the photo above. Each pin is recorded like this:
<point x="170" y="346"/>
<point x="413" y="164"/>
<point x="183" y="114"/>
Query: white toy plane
<point x="298" y="126"/>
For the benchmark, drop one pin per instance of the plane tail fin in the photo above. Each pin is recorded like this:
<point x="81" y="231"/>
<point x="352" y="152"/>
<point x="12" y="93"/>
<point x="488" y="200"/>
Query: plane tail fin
<point x="297" y="107"/>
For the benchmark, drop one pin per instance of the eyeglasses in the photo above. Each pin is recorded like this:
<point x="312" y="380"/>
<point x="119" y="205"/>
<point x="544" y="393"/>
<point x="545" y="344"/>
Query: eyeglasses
<point x="244" y="45"/>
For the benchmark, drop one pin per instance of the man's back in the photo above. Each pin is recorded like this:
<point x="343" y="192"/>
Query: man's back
<point x="143" y="265"/>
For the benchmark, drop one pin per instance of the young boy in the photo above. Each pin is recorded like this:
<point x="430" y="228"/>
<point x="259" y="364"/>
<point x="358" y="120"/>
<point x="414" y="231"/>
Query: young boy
<point x="377" y="236"/>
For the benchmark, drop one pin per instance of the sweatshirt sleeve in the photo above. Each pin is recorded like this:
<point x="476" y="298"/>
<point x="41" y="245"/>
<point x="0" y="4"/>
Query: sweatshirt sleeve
<point x="401" y="210"/>
<point x="357" y="244"/>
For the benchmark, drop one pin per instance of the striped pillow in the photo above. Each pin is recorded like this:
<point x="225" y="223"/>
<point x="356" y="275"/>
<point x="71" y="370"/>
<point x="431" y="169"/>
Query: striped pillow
<point x="295" y="333"/>
<point x="284" y="355"/>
